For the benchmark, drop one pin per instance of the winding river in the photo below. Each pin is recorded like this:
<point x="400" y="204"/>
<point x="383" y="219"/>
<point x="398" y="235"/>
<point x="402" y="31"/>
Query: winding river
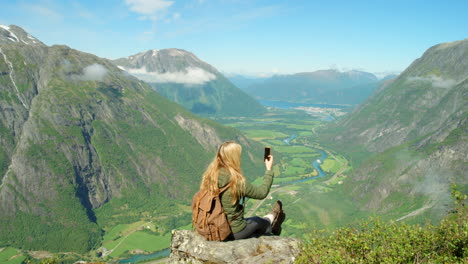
<point x="316" y="164"/>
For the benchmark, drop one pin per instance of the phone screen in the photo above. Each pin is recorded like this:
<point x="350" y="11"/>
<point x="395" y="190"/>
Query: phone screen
<point x="267" y="153"/>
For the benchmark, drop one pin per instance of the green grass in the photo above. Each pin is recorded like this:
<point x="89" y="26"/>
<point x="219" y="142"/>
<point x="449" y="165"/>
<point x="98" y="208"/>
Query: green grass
<point x="7" y="256"/>
<point x="119" y="230"/>
<point x="285" y="179"/>
<point x="264" y="134"/>
<point x="7" y="253"/>
<point x="330" y="165"/>
<point x="291" y="170"/>
<point x="300" y="162"/>
<point x="274" y="142"/>
<point x="305" y="133"/>
<point x="296" y="149"/>
<point x="142" y="240"/>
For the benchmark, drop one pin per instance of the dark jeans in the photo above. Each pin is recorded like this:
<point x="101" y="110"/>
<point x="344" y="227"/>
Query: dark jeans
<point x="256" y="226"/>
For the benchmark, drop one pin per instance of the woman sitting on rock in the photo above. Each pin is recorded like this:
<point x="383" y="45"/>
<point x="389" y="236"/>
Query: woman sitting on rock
<point x="225" y="170"/>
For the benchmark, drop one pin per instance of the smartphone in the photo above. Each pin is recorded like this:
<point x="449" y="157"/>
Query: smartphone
<point x="267" y="153"/>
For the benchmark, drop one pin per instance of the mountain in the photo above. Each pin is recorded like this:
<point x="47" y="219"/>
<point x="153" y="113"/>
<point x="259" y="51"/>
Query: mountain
<point x="85" y="146"/>
<point x="324" y="86"/>
<point x="243" y="82"/>
<point x="185" y="79"/>
<point x="408" y="141"/>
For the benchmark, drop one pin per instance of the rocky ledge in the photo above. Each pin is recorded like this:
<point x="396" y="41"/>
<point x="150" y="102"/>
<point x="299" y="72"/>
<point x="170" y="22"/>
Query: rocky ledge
<point x="189" y="247"/>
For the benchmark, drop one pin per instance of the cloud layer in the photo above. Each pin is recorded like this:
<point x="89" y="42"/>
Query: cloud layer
<point x="436" y="81"/>
<point x="190" y="76"/>
<point x="93" y="72"/>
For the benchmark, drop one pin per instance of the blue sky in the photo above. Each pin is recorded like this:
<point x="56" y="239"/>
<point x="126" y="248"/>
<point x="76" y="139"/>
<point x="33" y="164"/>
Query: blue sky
<point x="254" y="37"/>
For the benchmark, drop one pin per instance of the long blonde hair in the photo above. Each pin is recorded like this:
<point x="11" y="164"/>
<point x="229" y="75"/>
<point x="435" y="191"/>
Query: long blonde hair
<point x="229" y="158"/>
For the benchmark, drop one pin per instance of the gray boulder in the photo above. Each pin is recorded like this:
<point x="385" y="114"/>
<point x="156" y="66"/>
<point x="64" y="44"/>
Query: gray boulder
<point x="189" y="247"/>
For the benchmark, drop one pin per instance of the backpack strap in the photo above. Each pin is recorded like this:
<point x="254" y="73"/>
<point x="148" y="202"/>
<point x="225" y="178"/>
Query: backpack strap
<point x="223" y="189"/>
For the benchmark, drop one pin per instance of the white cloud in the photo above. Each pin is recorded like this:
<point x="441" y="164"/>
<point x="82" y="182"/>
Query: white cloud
<point x="150" y="9"/>
<point x="190" y="76"/>
<point x="93" y="72"/>
<point x="45" y="12"/>
<point x="436" y="81"/>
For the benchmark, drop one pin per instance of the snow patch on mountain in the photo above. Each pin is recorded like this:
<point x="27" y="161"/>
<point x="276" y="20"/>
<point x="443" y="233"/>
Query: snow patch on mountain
<point x="12" y="35"/>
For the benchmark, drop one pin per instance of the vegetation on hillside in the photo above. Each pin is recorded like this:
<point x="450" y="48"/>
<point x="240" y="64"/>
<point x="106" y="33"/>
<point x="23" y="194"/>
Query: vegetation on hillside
<point x="376" y="241"/>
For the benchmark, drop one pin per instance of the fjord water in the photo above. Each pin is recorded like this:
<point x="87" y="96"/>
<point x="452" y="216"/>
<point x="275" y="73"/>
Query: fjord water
<point x="290" y="105"/>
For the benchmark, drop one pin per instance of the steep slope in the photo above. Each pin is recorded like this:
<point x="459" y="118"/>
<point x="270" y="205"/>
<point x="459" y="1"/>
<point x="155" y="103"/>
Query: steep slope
<point x="408" y="141"/>
<point x="85" y="145"/>
<point x="183" y="78"/>
<point x="324" y="86"/>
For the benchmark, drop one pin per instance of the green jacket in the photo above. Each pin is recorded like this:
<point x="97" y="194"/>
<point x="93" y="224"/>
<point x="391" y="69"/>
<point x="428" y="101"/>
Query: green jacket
<point x="235" y="211"/>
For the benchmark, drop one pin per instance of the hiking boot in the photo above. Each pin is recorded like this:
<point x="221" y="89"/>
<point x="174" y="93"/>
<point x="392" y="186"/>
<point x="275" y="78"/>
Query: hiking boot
<point x="278" y="219"/>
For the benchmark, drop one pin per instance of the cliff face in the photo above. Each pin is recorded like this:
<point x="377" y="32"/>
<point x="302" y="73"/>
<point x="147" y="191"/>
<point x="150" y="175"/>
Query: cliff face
<point x="409" y="139"/>
<point x="189" y="247"/>
<point x="81" y="140"/>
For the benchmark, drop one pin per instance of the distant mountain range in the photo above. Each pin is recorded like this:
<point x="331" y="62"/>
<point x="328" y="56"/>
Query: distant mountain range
<point x="409" y="140"/>
<point x="185" y="79"/>
<point x="244" y="82"/>
<point x="324" y="86"/>
<point x="85" y="145"/>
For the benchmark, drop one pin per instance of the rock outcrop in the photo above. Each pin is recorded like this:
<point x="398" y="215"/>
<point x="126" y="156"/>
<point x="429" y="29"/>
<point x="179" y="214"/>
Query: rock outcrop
<point x="189" y="247"/>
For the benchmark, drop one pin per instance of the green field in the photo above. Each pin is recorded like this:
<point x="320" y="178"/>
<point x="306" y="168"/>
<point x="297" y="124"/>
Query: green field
<point x="264" y="134"/>
<point x="11" y="256"/>
<point x="330" y="165"/>
<point x="142" y="241"/>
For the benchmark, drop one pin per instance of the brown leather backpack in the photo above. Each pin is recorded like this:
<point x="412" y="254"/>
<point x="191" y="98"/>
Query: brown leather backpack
<point x="208" y="216"/>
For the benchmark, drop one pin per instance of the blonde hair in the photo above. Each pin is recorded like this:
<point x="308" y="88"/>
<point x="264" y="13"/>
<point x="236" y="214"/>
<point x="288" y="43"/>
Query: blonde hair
<point x="229" y="158"/>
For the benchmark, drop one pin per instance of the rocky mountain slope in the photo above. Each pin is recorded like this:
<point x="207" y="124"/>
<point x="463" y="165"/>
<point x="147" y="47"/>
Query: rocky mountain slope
<point x="84" y="145"/>
<point x="324" y="86"/>
<point x="408" y="141"/>
<point x="185" y="79"/>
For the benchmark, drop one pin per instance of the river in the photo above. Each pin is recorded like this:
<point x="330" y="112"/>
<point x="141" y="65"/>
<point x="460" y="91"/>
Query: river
<point x="316" y="164"/>
<point x="158" y="254"/>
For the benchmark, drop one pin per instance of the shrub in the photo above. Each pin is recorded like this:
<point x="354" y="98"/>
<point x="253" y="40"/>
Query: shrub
<point x="375" y="241"/>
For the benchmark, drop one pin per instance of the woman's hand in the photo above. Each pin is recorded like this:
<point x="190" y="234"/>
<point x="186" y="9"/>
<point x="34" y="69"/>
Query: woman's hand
<point x="269" y="162"/>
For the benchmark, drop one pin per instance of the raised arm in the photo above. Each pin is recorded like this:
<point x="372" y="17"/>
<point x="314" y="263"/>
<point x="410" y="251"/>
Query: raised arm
<point x="261" y="191"/>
